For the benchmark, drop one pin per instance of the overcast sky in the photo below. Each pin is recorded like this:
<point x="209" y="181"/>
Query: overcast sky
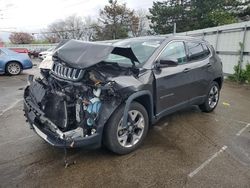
<point x="32" y="15"/>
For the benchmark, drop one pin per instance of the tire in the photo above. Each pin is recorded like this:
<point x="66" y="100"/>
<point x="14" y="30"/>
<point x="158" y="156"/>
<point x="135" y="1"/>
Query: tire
<point x="212" y="98"/>
<point x="13" y="68"/>
<point x="125" y="140"/>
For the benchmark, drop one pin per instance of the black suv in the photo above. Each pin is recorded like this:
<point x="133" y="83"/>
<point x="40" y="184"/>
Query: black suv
<point x="109" y="93"/>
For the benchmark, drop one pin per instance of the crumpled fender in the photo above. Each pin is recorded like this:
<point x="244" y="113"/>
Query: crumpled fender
<point x="106" y="110"/>
<point x="130" y="100"/>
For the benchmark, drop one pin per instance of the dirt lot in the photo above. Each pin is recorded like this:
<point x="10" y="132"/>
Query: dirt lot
<point x="186" y="149"/>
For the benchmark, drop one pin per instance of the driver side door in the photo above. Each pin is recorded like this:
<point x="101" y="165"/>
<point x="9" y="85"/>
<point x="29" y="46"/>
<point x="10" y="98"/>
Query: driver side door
<point x="172" y="83"/>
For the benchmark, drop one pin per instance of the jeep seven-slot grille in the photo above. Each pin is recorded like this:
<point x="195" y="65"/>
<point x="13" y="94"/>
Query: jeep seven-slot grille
<point x="67" y="73"/>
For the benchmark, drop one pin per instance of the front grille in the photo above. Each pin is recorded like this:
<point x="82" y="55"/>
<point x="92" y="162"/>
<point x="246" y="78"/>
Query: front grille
<point x="67" y="73"/>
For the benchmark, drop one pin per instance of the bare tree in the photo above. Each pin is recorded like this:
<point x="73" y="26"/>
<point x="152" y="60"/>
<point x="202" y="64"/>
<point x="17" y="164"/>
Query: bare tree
<point x="50" y="37"/>
<point x="140" y="23"/>
<point x="143" y="22"/>
<point x="73" y="27"/>
<point x="89" y="28"/>
<point x="21" y="38"/>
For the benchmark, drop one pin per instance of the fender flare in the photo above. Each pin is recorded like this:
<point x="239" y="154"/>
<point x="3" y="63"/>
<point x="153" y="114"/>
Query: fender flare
<point x="130" y="100"/>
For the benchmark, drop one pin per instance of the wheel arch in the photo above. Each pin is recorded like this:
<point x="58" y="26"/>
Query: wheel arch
<point x="219" y="81"/>
<point x="143" y="97"/>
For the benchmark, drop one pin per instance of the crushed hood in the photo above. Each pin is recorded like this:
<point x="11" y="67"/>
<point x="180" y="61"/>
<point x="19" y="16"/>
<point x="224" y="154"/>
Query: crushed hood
<point x="80" y="54"/>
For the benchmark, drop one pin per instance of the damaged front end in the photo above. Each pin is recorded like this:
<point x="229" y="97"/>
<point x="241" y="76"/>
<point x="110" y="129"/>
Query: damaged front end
<point x="69" y="105"/>
<point x="65" y="113"/>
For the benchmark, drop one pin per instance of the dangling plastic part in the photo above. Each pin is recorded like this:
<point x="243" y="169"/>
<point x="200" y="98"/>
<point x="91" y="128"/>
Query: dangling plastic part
<point x="67" y="163"/>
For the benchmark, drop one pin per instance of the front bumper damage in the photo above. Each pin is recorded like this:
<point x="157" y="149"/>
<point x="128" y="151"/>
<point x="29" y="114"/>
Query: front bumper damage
<point x="52" y="132"/>
<point x="48" y="131"/>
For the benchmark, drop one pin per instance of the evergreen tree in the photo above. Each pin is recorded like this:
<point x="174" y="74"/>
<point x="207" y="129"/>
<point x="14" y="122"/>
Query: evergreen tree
<point x="117" y="20"/>
<point x="191" y="14"/>
<point x="165" y="14"/>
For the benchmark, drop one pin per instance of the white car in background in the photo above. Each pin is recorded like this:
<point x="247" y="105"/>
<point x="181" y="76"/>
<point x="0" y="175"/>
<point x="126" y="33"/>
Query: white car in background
<point x="46" y="63"/>
<point x="44" y="54"/>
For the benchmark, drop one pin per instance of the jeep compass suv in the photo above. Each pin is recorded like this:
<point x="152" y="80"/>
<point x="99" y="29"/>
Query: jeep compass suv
<point x="100" y="93"/>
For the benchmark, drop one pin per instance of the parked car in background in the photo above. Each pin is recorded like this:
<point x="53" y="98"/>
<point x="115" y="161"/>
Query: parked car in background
<point x="97" y="93"/>
<point x="12" y="62"/>
<point x="35" y="52"/>
<point x="20" y="50"/>
<point x="42" y="55"/>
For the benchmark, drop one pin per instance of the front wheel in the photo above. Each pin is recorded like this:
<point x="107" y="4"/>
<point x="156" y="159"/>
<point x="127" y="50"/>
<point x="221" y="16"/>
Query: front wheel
<point x="123" y="140"/>
<point x="212" y="98"/>
<point x="13" y="68"/>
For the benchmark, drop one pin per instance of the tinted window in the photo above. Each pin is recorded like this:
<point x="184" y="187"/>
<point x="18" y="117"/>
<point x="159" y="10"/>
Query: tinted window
<point x="174" y="51"/>
<point x="197" y="51"/>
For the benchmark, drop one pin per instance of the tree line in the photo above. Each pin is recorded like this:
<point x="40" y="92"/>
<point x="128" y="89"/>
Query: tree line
<point x="117" y="21"/>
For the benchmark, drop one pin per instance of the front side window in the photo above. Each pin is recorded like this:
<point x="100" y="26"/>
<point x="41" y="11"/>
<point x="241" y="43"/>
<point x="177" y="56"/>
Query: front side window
<point x="174" y="51"/>
<point x="197" y="51"/>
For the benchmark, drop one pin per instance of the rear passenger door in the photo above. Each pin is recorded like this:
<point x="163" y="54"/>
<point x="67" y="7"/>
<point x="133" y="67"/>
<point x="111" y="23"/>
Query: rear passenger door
<point x="198" y="55"/>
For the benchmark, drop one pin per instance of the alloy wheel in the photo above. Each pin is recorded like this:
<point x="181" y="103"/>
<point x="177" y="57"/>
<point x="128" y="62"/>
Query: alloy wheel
<point x="132" y="133"/>
<point x="213" y="96"/>
<point x="14" y="68"/>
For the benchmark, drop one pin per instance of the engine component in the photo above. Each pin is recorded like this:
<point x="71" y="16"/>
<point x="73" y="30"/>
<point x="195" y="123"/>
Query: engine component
<point x="78" y="132"/>
<point x="56" y="110"/>
<point x="96" y="77"/>
<point x="92" y="107"/>
<point x="93" y="131"/>
<point x="79" y="111"/>
<point x="97" y="92"/>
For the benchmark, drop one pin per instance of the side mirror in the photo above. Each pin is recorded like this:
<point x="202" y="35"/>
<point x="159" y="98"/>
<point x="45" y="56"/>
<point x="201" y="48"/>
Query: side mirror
<point x="166" y="63"/>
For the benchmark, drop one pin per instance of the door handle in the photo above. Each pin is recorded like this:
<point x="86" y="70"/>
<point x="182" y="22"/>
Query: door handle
<point x="186" y="70"/>
<point x="209" y="65"/>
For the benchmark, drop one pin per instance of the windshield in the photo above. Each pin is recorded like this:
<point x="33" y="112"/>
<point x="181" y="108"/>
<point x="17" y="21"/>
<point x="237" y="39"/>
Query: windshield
<point x="142" y="48"/>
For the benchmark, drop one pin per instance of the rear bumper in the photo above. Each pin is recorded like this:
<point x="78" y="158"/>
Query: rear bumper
<point x="27" y="64"/>
<point x="43" y="127"/>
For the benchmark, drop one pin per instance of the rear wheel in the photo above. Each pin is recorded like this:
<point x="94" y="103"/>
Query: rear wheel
<point x="212" y="98"/>
<point x="13" y="68"/>
<point x="123" y="140"/>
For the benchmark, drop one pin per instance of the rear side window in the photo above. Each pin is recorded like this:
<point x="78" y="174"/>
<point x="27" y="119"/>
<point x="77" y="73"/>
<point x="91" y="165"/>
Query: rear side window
<point x="197" y="51"/>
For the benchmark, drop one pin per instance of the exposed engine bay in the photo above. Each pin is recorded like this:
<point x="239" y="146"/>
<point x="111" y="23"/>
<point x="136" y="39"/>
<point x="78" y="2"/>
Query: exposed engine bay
<point x="71" y="99"/>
